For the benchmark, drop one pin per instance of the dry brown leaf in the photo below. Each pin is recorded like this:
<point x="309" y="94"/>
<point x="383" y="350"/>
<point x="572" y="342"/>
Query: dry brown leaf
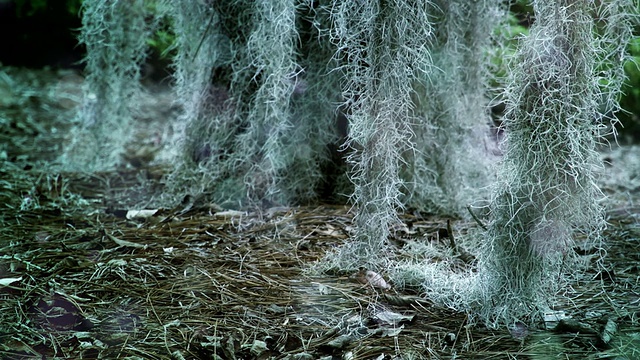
<point x="376" y="280"/>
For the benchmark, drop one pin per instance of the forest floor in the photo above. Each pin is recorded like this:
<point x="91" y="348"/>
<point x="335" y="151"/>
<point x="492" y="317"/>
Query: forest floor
<point x="86" y="274"/>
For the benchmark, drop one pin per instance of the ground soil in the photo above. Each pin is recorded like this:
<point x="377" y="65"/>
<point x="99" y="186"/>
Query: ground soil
<point x="84" y="274"/>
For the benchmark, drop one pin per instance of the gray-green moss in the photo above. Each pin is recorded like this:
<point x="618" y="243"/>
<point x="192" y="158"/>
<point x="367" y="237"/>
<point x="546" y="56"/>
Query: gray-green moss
<point x="114" y="33"/>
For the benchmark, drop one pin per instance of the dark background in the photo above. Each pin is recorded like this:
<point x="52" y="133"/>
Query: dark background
<point x="40" y="33"/>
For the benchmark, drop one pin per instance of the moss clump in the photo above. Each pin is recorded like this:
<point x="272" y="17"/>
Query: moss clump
<point x="259" y="101"/>
<point x="547" y="195"/>
<point x="450" y="167"/>
<point x="115" y="34"/>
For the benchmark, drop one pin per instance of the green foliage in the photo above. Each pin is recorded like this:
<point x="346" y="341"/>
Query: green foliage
<point x="522" y="7"/>
<point x="508" y="33"/>
<point x="28" y="8"/>
<point x="512" y="29"/>
<point x="630" y="100"/>
<point x="164" y="42"/>
<point x="632" y="68"/>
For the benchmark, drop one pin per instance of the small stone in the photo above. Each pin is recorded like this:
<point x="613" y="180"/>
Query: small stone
<point x="340" y="342"/>
<point x="303" y="356"/>
<point x="258" y="347"/>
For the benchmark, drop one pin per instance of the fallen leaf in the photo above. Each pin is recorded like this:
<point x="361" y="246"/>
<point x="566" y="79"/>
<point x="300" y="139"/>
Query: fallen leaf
<point x="9" y="281"/>
<point x="126" y="243"/>
<point x="140" y="214"/>
<point x="230" y="213"/>
<point x="391" y="318"/>
<point x="376" y="280"/>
